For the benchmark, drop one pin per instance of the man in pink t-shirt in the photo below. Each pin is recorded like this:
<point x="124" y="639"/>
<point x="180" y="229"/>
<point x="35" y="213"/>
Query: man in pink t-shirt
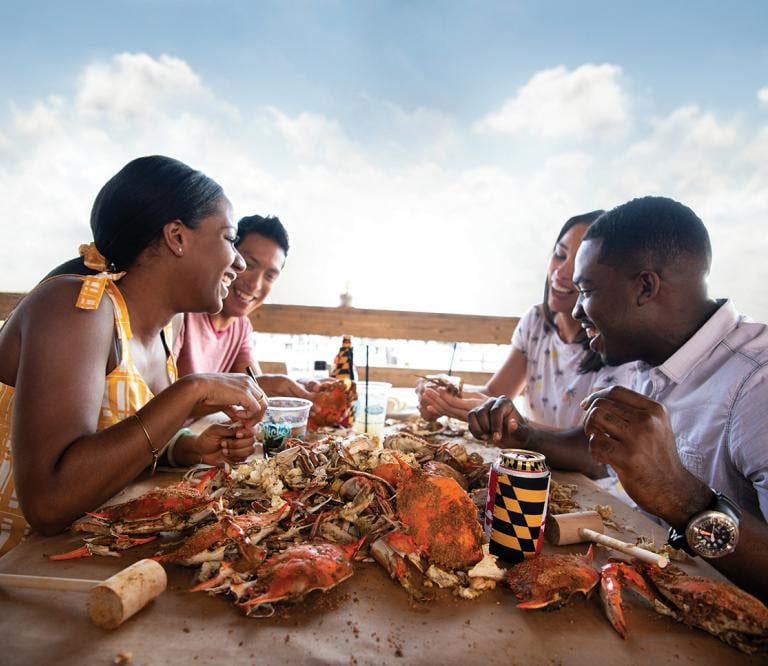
<point x="222" y="342"/>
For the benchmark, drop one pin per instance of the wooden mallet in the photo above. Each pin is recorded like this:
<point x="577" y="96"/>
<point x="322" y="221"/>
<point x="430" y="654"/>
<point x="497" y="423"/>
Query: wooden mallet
<point x="567" y="528"/>
<point x="110" y="602"/>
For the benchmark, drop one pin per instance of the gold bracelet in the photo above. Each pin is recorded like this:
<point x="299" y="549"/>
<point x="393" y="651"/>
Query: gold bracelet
<point x="155" y="452"/>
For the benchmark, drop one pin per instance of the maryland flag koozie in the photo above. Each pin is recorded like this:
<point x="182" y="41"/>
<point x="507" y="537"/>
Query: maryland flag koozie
<point x="339" y="402"/>
<point x="343" y="364"/>
<point x="518" y="489"/>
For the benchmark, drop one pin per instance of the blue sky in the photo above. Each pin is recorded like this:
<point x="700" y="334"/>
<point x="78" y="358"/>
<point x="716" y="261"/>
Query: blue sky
<point x="319" y="53"/>
<point x="455" y="132"/>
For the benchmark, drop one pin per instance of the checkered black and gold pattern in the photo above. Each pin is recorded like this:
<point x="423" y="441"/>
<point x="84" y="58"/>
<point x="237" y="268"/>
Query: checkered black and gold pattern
<point x="343" y="367"/>
<point x="518" y="513"/>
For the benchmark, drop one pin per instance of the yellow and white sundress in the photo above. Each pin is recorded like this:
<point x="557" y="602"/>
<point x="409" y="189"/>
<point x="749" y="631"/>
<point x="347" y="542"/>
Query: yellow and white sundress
<point x="125" y="393"/>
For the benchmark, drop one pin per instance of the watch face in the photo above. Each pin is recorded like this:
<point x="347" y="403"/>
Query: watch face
<point x="713" y="535"/>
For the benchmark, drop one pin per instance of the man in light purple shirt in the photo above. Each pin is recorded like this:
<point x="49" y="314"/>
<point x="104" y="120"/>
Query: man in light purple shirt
<point x="691" y="446"/>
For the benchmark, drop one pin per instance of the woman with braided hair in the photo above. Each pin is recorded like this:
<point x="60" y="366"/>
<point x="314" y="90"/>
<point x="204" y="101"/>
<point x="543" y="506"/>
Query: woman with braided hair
<point x="88" y="397"/>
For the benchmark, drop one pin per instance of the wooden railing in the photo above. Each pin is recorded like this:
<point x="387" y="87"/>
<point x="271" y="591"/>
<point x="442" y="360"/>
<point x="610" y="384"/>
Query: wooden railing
<point x="386" y="324"/>
<point x="8" y="301"/>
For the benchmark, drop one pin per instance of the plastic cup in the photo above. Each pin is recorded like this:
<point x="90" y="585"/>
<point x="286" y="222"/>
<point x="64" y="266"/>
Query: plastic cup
<point x="284" y="418"/>
<point x="371" y="408"/>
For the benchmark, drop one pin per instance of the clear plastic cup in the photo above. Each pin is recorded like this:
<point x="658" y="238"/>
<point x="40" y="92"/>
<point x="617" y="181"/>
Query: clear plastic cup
<point x="285" y="417"/>
<point x="371" y="408"/>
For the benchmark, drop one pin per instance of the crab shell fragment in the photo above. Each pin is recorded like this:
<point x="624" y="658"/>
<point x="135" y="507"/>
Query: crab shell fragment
<point x="451" y="383"/>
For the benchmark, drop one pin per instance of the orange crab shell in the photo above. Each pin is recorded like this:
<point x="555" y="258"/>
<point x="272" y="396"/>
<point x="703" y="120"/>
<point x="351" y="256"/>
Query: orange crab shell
<point x="292" y="573"/>
<point x="333" y="404"/>
<point x="174" y="507"/>
<point x="550" y="580"/>
<point x="441" y="518"/>
<point x="179" y="499"/>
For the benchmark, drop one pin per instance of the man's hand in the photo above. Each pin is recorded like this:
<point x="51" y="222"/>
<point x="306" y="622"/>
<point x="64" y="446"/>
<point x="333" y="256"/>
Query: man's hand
<point x="633" y="434"/>
<point x="435" y="402"/>
<point x="282" y="385"/>
<point x="313" y="385"/>
<point x="497" y="419"/>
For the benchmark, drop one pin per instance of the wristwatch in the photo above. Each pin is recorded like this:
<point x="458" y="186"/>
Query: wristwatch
<point x="711" y="533"/>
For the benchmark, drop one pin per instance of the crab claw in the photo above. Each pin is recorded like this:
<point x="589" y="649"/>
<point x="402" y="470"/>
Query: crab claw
<point x="226" y="571"/>
<point x="83" y="551"/>
<point x="610" y="594"/>
<point x="351" y="549"/>
<point x="204" y="480"/>
<point x="614" y="575"/>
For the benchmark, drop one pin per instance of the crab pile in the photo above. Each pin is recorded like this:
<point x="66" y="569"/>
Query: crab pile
<point x="272" y="530"/>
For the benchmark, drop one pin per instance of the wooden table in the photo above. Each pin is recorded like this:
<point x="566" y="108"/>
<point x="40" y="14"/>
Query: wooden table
<point x="366" y="620"/>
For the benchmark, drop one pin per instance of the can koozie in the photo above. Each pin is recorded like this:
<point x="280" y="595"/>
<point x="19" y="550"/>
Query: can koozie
<point x="517" y="504"/>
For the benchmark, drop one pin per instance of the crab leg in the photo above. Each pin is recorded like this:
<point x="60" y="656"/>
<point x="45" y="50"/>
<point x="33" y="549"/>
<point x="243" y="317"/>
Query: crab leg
<point x="100" y="547"/>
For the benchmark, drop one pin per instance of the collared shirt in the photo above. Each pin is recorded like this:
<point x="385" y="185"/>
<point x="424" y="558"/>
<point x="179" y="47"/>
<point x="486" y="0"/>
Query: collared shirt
<point x="554" y="388"/>
<point x="715" y="390"/>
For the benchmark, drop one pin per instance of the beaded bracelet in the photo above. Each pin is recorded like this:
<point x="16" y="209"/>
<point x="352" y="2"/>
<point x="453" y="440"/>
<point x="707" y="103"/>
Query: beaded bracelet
<point x="172" y="444"/>
<point x="155" y="452"/>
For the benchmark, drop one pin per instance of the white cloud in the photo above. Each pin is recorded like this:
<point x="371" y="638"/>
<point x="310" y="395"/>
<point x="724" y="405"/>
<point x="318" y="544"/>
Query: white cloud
<point x="762" y="96"/>
<point x="133" y="85"/>
<point x="314" y="136"/>
<point x="42" y="118"/>
<point x="579" y="103"/>
<point x="422" y="132"/>
<point x="429" y="230"/>
<point x="690" y="126"/>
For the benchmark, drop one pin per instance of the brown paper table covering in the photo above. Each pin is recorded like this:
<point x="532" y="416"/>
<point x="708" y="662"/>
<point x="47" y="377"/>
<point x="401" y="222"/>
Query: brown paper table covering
<point x="368" y="619"/>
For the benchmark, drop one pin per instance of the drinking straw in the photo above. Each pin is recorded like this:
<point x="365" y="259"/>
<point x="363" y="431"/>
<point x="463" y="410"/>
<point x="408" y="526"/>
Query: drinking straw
<point x="453" y="353"/>
<point x="365" y="418"/>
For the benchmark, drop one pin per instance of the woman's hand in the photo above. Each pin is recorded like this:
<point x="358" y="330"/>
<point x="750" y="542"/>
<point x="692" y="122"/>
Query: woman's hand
<point x="435" y="402"/>
<point x="237" y="395"/>
<point x="219" y="443"/>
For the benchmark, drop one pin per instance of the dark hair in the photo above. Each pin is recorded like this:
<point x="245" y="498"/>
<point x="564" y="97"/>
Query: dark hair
<point x="591" y="361"/>
<point x="131" y="210"/>
<point x="650" y="232"/>
<point x="270" y="227"/>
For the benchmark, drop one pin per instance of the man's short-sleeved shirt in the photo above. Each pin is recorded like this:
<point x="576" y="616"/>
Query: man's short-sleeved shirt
<point x="715" y="389"/>
<point x="199" y="347"/>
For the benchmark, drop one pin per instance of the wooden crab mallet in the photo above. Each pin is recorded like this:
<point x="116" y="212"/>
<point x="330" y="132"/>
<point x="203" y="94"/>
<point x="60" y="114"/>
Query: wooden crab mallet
<point x="568" y="528"/>
<point x="110" y="602"/>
